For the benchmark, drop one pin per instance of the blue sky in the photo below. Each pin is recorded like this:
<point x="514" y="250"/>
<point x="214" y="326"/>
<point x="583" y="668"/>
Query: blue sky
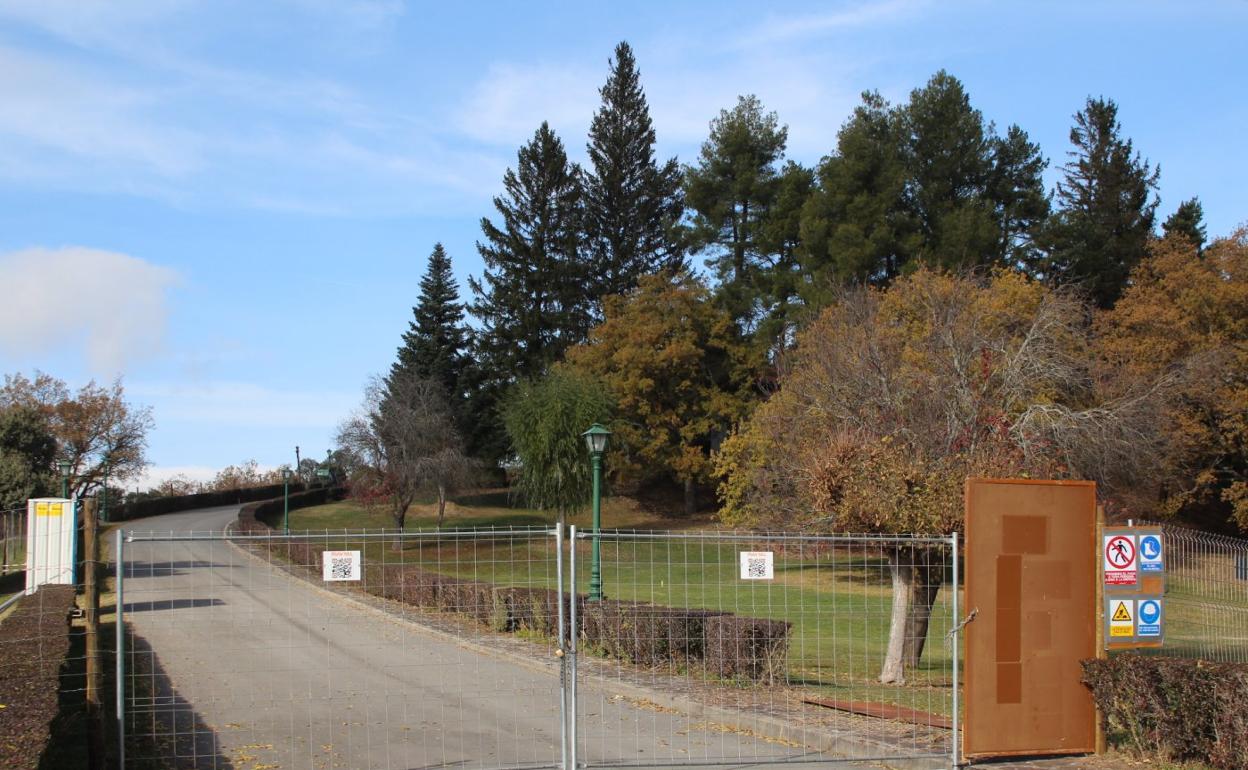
<point x="230" y="204"/>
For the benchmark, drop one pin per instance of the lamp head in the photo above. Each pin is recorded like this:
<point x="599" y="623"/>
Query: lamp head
<point x="597" y="438"/>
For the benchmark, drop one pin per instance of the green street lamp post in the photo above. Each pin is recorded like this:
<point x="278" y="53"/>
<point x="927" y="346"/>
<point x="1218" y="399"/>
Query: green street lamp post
<point x="104" y="495"/>
<point x="596" y="439"/>
<point x="64" y="467"/>
<point x="286" y="500"/>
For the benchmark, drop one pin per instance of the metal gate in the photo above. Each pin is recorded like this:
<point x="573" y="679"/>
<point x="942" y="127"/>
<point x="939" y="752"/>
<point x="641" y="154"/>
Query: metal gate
<point x="466" y="649"/>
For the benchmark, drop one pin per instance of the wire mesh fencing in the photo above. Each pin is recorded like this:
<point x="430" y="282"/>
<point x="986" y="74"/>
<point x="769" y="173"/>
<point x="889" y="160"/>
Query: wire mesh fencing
<point x="12" y="542"/>
<point x="264" y="650"/>
<point x="1206" y="595"/>
<point x="786" y="646"/>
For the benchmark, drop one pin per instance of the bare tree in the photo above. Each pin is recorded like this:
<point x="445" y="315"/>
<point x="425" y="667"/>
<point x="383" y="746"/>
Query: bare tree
<point x="404" y="442"/>
<point x="892" y="399"/>
<point x="94" y="427"/>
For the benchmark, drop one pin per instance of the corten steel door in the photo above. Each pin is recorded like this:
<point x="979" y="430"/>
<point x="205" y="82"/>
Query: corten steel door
<point x="1031" y="573"/>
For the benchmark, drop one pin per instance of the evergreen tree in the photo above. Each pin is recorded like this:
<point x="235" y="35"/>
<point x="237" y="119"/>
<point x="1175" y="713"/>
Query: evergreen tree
<point x="856" y="226"/>
<point x="434" y="344"/>
<point x="1188" y="221"/>
<point x="531" y="300"/>
<point x="631" y="203"/>
<point x="1108" y="203"/>
<point x="779" y="281"/>
<point x="949" y="160"/>
<point x="1016" y="188"/>
<point x="730" y="192"/>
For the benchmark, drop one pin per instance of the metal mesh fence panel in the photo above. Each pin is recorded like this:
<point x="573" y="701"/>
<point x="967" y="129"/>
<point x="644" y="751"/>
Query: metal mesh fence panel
<point x="341" y="650"/>
<point x="12" y="543"/>
<point x="709" y="648"/>
<point x="1206" y="595"/>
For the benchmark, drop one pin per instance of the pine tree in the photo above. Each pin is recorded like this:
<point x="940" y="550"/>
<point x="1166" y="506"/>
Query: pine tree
<point x="857" y="227"/>
<point x="435" y="341"/>
<point x="1108" y="204"/>
<point x="1016" y="188"/>
<point x="779" y="281"/>
<point x="1188" y="221"/>
<point x="949" y="160"/>
<point x="631" y="203"/>
<point x="730" y="192"/>
<point x="531" y="300"/>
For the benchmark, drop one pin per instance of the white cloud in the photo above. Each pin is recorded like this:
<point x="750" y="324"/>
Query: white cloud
<point x="112" y="304"/>
<point x="511" y="101"/>
<point x="790" y="28"/>
<point x="243" y="404"/>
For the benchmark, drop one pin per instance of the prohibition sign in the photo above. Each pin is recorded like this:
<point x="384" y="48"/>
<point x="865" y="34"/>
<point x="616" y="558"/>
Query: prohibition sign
<point x="1120" y="560"/>
<point x="1120" y="551"/>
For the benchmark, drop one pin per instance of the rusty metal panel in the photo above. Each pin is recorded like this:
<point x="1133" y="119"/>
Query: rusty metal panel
<point x="1032" y="575"/>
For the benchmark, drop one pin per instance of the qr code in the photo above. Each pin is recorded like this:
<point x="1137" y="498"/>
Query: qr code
<point x="340" y="568"/>
<point x="341" y="565"/>
<point x="757" y="565"/>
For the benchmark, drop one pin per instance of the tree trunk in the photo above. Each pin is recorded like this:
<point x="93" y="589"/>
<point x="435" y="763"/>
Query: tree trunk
<point x="399" y="514"/>
<point x="691" y="497"/>
<point x="441" y="504"/>
<point x="916" y="581"/>
<point x="894" y="671"/>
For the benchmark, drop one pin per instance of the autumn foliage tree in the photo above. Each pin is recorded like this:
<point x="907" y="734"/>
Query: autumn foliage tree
<point x="680" y="375"/>
<point x="894" y="397"/>
<point x="1185" y="316"/>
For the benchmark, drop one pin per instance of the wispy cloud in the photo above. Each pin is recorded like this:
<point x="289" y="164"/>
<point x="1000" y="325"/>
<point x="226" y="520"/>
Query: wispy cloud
<point x="788" y="29"/>
<point x="113" y="305"/>
<point x="243" y="404"/>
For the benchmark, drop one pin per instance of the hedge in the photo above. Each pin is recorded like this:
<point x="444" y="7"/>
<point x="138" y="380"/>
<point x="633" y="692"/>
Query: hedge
<point x="720" y="643"/>
<point x="161" y="505"/>
<point x="1179" y="708"/>
<point x="34" y="641"/>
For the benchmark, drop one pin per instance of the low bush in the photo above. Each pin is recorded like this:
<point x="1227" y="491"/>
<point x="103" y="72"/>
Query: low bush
<point x="34" y="641"/>
<point x="1178" y="708"/>
<point x="748" y="648"/>
<point x="161" y="505"/>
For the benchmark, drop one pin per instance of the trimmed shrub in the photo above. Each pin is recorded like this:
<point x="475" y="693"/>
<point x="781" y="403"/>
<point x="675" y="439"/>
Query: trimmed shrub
<point x="1178" y="708"/>
<point x="34" y="641"/>
<point x="749" y="648"/>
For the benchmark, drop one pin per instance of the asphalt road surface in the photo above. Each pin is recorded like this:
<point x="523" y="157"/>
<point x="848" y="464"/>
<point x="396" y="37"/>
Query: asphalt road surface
<point x="233" y="663"/>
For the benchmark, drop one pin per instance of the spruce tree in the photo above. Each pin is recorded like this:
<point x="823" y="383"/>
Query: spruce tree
<point x="1107" y="207"/>
<point x="1188" y="221"/>
<point x="631" y="203"/>
<point x="434" y="343"/>
<point x="531" y="300"/>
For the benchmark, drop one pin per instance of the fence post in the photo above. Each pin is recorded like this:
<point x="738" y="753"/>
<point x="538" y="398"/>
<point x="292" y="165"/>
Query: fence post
<point x="957" y="647"/>
<point x="91" y="616"/>
<point x="559" y="645"/>
<point x="572" y="648"/>
<point x="120" y="646"/>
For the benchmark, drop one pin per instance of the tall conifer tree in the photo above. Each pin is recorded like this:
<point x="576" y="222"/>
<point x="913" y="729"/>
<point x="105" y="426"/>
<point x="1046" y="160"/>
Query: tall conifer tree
<point x="1108" y="202"/>
<point x="532" y="299"/>
<point x="1188" y="221"/>
<point x="631" y="203"/>
<point x="435" y="341"/>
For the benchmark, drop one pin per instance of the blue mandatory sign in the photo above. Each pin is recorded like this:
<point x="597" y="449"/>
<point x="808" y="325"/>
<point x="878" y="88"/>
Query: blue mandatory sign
<point x="1150" y="554"/>
<point x="1149" y="618"/>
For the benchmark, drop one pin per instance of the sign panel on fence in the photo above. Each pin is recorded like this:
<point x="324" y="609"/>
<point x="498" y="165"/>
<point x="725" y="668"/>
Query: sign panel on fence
<point x="340" y="565"/>
<point x="51" y="527"/>
<point x="1150" y="553"/>
<point x="757" y="565"/>
<point x="1121" y="613"/>
<point x="1148" y="619"/>
<point x="1121" y="566"/>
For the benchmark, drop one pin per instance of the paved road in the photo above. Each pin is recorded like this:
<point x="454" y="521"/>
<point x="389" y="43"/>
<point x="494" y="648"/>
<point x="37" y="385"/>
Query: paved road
<point x="236" y="664"/>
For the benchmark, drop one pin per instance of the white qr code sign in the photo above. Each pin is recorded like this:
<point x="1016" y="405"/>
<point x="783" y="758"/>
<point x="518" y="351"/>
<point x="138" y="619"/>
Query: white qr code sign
<point x="757" y="565"/>
<point x="340" y="565"/>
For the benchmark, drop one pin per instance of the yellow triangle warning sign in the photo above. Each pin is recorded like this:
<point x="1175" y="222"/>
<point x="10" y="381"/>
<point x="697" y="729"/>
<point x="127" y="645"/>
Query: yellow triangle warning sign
<point x="1122" y="614"/>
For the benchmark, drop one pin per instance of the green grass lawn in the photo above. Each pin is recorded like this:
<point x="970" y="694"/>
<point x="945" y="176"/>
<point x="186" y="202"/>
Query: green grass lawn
<point x="839" y="601"/>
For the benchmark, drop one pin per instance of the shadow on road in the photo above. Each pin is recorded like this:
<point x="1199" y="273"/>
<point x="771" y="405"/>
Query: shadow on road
<point x="163" y="730"/>
<point x="171" y="604"/>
